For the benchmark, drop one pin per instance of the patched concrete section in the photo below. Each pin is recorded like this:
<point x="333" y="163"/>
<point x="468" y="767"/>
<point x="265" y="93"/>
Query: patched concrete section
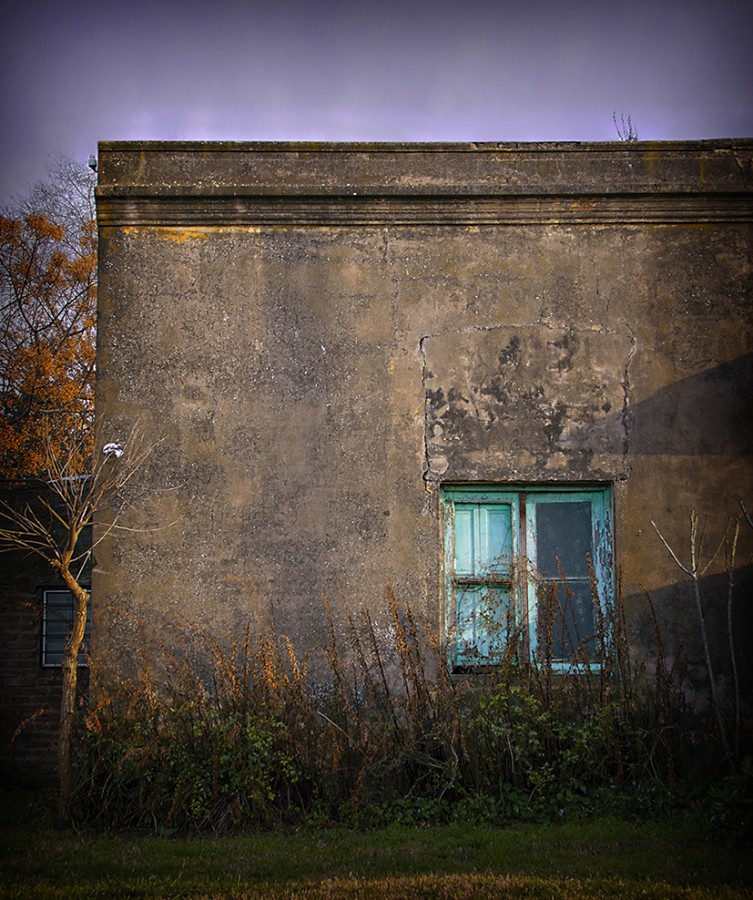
<point x="525" y="401"/>
<point x="323" y="337"/>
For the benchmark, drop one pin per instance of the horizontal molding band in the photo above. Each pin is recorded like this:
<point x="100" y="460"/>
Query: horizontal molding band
<point x="423" y="210"/>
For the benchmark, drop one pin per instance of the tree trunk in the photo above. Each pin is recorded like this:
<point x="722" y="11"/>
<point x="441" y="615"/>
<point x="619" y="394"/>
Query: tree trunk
<point x="69" y="692"/>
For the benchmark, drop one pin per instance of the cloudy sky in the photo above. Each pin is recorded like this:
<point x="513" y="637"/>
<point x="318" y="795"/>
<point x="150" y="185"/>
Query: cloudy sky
<point x="469" y="70"/>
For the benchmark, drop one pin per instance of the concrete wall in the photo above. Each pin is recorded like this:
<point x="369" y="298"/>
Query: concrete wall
<point x="323" y="335"/>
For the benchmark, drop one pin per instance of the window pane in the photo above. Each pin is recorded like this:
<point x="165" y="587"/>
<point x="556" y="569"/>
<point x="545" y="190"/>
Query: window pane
<point x="496" y="539"/>
<point x="563" y="538"/>
<point x="483" y="538"/>
<point x="58" y="617"/>
<point x="464" y="539"/>
<point x="565" y="620"/>
<point x="484" y="618"/>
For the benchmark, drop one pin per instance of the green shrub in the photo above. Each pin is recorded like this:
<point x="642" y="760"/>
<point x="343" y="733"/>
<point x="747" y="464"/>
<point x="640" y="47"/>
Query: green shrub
<point x="359" y="735"/>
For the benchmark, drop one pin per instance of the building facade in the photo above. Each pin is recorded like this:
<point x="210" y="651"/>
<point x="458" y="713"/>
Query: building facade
<point x="474" y="373"/>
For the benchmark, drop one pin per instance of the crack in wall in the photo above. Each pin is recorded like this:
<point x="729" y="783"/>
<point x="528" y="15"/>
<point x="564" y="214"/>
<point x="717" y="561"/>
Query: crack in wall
<point x="627" y="409"/>
<point x="745" y="167"/>
<point x="426" y="466"/>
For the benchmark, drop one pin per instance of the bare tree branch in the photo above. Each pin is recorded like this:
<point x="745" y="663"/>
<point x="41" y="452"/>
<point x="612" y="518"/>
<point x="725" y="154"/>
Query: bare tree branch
<point x="746" y="514"/>
<point x="694" y="572"/>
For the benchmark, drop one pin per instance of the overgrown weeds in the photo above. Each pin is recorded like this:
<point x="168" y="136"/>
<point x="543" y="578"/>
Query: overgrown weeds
<point x="373" y="729"/>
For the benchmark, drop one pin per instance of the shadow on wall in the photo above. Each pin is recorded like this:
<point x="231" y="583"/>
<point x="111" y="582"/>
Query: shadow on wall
<point x="710" y="413"/>
<point x="680" y="633"/>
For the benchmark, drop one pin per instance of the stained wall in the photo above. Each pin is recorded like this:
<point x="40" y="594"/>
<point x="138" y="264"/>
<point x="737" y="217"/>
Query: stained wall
<point x="321" y="336"/>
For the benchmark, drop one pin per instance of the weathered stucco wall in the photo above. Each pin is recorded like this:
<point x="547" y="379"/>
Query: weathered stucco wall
<point x="324" y="335"/>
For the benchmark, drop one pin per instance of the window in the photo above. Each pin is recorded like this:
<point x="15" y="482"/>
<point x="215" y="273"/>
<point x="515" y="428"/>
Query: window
<point x="57" y="617"/>
<point x="528" y="570"/>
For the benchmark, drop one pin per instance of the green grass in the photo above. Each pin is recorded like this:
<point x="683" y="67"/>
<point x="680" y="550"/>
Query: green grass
<point x="605" y="857"/>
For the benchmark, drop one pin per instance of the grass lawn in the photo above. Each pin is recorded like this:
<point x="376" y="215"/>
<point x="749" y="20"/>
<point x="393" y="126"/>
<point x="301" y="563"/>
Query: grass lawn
<point x="602" y="858"/>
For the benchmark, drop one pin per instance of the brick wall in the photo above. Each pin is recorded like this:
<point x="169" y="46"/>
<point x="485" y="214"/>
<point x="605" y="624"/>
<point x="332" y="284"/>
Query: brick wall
<point x="29" y="693"/>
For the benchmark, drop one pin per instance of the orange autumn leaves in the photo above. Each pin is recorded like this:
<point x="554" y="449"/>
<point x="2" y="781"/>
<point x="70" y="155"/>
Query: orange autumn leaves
<point x="47" y="343"/>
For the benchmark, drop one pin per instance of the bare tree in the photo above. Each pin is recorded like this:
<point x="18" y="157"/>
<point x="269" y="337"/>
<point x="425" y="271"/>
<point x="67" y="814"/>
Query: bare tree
<point x="695" y="570"/>
<point x="50" y="522"/>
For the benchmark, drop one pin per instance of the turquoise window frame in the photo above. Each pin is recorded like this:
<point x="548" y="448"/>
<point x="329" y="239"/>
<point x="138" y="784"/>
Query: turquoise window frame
<point x="518" y="573"/>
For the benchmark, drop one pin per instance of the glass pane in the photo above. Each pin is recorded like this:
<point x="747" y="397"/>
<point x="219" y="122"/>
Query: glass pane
<point x="565" y="620"/>
<point x="483" y="538"/>
<point x="55" y="646"/>
<point x="464" y="540"/>
<point x="58" y="614"/>
<point x="484" y="618"/>
<point x="496" y="545"/>
<point x="563" y="538"/>
<point x="58" y="617"/>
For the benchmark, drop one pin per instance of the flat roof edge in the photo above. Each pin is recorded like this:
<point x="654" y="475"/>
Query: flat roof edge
<point x="236" y="174"/>
<point x="152" y="146"/>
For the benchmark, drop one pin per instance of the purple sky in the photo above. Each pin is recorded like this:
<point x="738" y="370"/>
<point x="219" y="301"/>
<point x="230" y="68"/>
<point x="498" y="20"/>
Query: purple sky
<point x="79" y="72"/>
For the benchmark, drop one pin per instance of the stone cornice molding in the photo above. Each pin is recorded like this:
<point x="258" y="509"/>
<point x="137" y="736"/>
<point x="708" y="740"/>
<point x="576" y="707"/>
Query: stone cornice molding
<point x="239" y="211"/>
<point x="220" y="184"/>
